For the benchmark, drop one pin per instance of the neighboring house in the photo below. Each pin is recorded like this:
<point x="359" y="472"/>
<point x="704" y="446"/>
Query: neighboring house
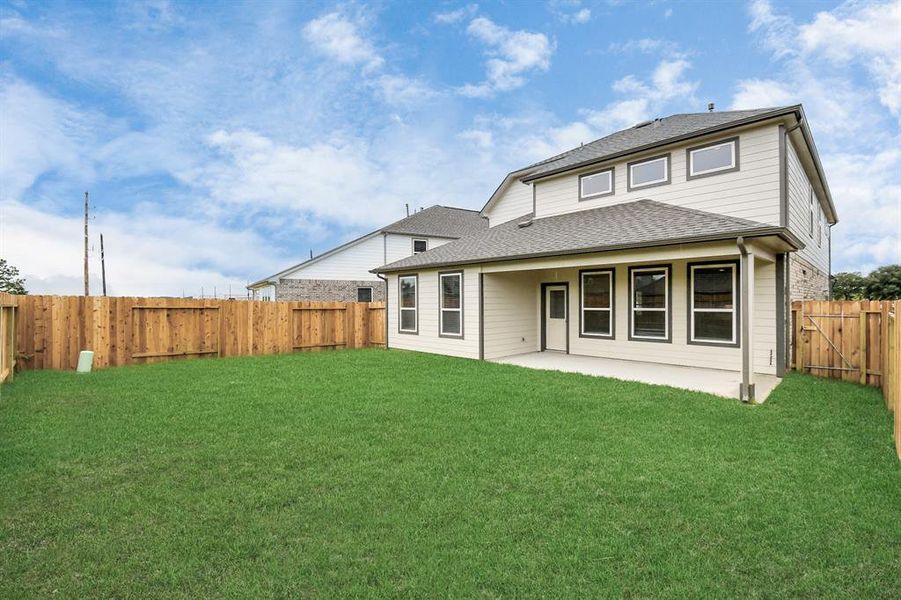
<point x="344" y="273"/>
<point x="678" y="241"/>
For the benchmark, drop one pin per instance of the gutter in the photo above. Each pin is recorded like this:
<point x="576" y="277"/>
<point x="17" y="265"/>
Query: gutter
<point x="746" y="391"/>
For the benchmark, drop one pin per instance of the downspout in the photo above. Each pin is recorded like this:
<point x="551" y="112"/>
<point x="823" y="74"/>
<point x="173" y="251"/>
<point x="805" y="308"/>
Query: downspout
<point x="746" y="392"/>
<point x="385" y="279"/>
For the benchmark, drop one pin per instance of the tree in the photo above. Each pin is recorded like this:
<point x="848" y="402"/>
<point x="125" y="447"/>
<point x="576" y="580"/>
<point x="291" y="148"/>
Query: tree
<point x="10" y="282"/>
<point x="849" y="286"/>
<point x="884" y="283"/>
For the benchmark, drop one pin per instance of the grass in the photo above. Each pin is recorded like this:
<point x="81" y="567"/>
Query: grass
<point x="395" y="474"/>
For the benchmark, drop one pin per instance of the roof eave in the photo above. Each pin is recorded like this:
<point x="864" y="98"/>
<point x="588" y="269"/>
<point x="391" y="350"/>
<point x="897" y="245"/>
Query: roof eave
<point x="808" y="139"/>
<point x="787" y="110"/>
<point x="781" y="232"/>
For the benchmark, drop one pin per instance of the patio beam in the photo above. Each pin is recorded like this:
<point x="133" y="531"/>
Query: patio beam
<point x="746" y="391"/>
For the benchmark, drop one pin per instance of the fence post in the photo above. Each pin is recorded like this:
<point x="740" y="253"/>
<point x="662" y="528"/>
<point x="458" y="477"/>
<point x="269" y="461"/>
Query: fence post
<point x="863" y="345"/>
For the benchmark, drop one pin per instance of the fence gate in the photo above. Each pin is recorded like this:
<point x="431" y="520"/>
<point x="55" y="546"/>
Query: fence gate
<point x="839" y="340"/>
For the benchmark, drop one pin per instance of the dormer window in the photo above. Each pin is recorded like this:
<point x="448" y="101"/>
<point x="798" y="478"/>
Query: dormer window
<point x="420" y="246"/>
<point x="713" y="159"/>
<point x="596" y="185"/>
<point x="649" y="172"/>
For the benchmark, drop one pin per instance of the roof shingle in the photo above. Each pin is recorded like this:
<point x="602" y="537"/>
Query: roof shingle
<point x="630" y="225"/>
<point x="440" y="221"/>
<point x="653" y="133"/>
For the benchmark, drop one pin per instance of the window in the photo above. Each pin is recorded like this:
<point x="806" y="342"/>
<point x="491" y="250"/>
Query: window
<point x="713" y="304"/>
<point x="420" y="246"/>
<point x="597" y="303"/>
<point x="451" y="304"/>
<point x="364" y="294"/>
<point x="408" y="303"/>
<point x="557" y="304"/>
<point x="820" y="230"/>
<point x="810" y="204"/>
<point x="646" y="173"/>
<point x="710" y="159"/>
<point x="649" y="291"/>
<point x="595" y="185"/>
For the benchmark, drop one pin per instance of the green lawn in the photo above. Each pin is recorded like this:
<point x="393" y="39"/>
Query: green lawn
<point x="391" y="473"/>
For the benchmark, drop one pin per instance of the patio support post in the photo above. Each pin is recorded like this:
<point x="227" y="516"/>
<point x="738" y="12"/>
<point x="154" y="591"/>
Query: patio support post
<point x="746" y="392"/>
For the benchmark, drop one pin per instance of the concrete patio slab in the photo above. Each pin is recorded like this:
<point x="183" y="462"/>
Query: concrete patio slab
<point x="712" y="381"/>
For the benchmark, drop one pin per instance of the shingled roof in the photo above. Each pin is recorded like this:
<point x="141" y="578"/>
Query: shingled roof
<point x="440" y="221"/>
<point x="647" y="135"/>
<point x="638" y="224"/>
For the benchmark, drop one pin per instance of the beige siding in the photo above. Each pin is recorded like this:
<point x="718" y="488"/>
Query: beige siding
<point x="505" y="330"/>
<point x="515" y="202"/>
<point x="750" y="193"/>
<point x="765" y="317"/>
<point x="427" y="339"/>
<point x="511" y="313"/>
<point x="816" y="251"/>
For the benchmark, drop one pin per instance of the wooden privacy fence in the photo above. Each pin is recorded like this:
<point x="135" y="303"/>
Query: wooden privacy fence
<point x="51" y="330"/>
<point x="851" y="340"/>
<point x="7" y="338"/>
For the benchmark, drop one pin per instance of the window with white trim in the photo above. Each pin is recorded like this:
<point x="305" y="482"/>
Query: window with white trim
<point x="712" y="159"/>
<point x="712" y="309"/>
<point x="451" y="304"/>
<point x="595" y="185"/>
<point x="597" y="303"/>
<point x="420" y="246"/>
<point x="408" y="303"/>
<point x="364" y="294"/>
<point x="650" y="303"/>
<point x="649" y="172"/>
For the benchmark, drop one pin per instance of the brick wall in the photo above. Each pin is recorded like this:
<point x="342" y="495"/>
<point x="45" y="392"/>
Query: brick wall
<point x="806" y="282"/>
<point x="332" y="290"/>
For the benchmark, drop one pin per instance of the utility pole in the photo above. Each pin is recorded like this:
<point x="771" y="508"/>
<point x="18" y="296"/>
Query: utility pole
<point x="87" y="287"/>
<point x="102" y="265"/>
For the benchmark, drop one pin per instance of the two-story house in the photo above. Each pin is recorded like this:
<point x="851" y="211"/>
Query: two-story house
<point x="678" y="241"/>
<point x="343" y="274"/>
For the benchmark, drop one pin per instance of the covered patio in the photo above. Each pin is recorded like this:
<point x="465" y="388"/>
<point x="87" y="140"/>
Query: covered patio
<point x="719" y="382"/>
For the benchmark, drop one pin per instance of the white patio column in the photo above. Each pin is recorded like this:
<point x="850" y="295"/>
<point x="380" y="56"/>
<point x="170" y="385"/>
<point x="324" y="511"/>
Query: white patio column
<point x="746" y="392"/>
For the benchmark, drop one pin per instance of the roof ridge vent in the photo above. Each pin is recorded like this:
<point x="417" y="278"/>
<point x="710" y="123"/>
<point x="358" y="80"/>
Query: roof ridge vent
<point x="642" y="124"/>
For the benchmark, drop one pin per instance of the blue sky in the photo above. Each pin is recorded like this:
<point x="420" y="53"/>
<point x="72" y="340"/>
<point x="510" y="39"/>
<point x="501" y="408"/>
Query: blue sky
<point x="223" y="141"/>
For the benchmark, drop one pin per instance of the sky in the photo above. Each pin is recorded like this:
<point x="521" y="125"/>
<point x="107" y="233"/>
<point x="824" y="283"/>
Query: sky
<point x="222" y="142"/>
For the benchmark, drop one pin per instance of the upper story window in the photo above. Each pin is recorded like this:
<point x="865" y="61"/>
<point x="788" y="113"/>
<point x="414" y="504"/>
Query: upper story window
<point x="409" y="303"/>
<point x="649" y="172"/>
<point x="650" y="303"/>
<point x="420" y="246"/>
<point x="451" y="304"/>
<point x="714" y="158"/>
<point x="595" y="185"/>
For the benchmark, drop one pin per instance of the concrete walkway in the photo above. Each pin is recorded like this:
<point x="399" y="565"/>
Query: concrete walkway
<point x="712" y="381"/>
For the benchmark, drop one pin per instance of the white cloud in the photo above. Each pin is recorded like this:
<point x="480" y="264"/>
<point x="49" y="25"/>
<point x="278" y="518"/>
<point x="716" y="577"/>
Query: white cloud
<point x="339" y="37"/>
<point x="643" y="46"/>
<point x="455" y="16"/>
<point x="147" y="253"/>
<point x="843" y="63"/>
<point x="39" y="133"/>
<point x="570" y="11"/>
<point x="761" y="93"/>
<point x="511" y="55"/>
<point x="870" y="36"/>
